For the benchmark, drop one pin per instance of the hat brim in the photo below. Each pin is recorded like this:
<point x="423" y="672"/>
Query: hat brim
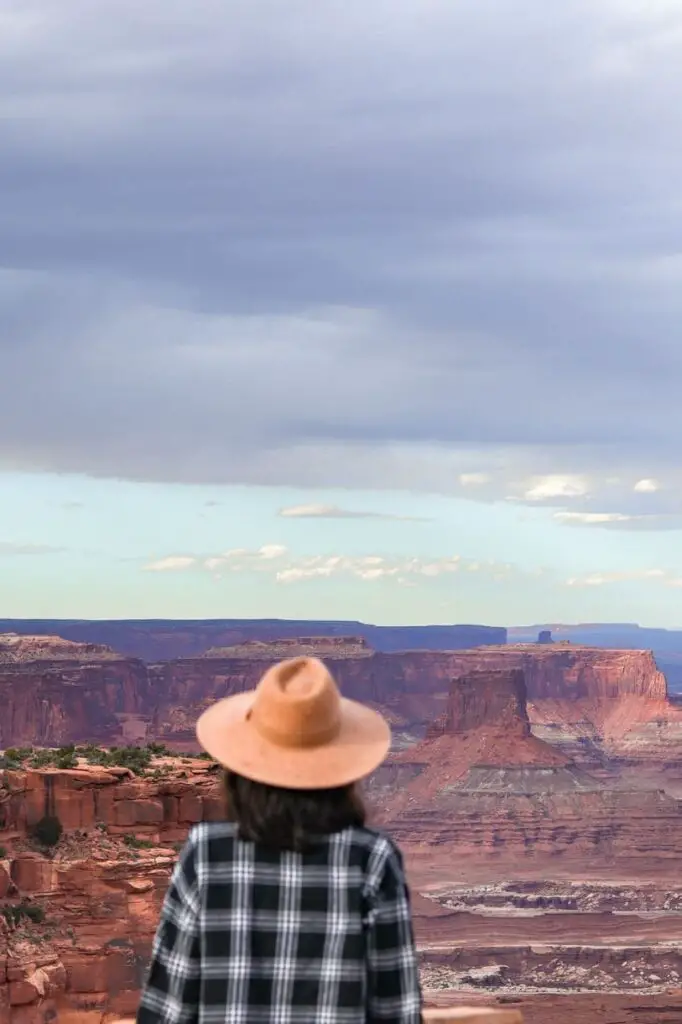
<point x="227" y="734"/>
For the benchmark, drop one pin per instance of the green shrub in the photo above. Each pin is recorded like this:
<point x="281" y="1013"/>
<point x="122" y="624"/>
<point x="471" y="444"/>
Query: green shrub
<point x="138" y="844"/>
<point x="48" y="831"/>
<point x="93" y="754"/>
<point x="42" y="758"/>
<point x="66" y="759"/>
<point x="135" y="758"/>
<point x="18" y="753"/>
<point x="158" y="749"/>
<point x="14" y="913"/>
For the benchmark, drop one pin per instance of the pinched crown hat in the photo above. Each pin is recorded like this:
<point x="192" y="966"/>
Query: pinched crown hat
<point x="295" y="730"/>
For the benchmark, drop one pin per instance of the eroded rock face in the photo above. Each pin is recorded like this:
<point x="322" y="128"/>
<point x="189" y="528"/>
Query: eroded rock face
<point x="55" y="701"/>
<point x="494" y="699"/>
<point x="52" y="703"/>
<point x="100" y="888"/>
<point x="485" y="724"/>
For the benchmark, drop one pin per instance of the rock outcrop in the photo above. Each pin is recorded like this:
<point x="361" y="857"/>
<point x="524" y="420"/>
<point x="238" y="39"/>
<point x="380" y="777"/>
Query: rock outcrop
<point x="494" y="701"/>
<point x="15" y="648"/>
<point x="55" y="702"/>
<point x="77" y="918"/>
<point x="57" y="693"/>
<point x="484" y="725"/>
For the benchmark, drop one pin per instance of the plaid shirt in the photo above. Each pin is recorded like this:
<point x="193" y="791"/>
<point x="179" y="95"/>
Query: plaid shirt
<point x="255" y="936"/>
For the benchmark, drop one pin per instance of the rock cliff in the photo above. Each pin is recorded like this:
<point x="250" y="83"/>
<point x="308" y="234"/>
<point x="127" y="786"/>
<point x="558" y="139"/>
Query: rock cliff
<point x="575" y="694"/>
<point x="494" y="700"/>
<point x="488" y="790"/>
<point x="79" y="903"/>
<point x="54" y="702"/>
<point x="484" y="725"/>
<point x="77" y="916"/>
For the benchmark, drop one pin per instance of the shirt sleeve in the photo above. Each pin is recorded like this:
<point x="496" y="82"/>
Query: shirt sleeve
<point x="172" y="989"/>
<point x="394" y="993"/>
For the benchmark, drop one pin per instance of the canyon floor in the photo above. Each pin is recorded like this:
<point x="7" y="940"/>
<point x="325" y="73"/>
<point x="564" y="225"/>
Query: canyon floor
<point x="569" y="950"/>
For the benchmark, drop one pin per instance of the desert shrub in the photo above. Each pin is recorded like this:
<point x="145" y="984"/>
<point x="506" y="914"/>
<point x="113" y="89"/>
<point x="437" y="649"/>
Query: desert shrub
<point x="47" y="832"/>
<point x="135" y="758"/>
<point x="14" y="913"/>
<point x="138" y="844"/>
<point x="158" y="749"/>
<point x="42" y="758"/>
<point x="93" y="754"/>
<point x="18" y="753"/>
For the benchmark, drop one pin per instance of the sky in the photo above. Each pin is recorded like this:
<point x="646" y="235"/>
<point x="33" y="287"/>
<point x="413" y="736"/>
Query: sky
<point x="368" y="310"/>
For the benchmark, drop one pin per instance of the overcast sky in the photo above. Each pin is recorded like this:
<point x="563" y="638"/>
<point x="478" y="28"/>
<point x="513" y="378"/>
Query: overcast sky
<point x="422" y="260"/>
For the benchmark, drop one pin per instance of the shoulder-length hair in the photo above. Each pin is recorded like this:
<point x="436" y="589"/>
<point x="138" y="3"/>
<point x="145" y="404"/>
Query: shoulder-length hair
<point x="290" y="819"/>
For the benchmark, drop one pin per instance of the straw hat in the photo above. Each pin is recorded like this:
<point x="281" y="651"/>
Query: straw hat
<point x="295" y="730"/>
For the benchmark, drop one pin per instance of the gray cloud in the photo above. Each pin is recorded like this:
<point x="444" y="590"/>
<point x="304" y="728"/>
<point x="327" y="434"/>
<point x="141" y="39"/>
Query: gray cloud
<point x="276" y="244"/>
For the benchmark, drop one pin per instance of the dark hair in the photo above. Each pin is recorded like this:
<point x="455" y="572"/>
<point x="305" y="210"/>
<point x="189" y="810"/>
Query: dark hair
<point x="290" y="819"/>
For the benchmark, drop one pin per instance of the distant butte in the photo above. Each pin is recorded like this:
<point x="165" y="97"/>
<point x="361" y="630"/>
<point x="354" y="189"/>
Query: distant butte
<point x="485" y="724"/>
<point x="15" y="648"/>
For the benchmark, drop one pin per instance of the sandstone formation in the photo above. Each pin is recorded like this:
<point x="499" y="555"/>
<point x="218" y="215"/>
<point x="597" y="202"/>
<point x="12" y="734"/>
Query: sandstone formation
<point x="58" y="700"/>
<point x="15" y="648"/>
<point x="77" y="918"/>
<point x="586" y="692"/>
<point x="326" y="647"/>
<point x="79" y="903"/>
<point x="482" y="785"/>
<point x="589" y="702"/>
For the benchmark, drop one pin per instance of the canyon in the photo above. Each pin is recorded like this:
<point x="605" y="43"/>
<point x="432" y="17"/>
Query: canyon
<point x="534" y="790"/>
<point x="579" y="698"/>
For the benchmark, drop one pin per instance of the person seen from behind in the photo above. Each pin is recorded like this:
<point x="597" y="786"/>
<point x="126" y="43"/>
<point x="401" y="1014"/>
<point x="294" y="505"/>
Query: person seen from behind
<point x="292" y="911"/>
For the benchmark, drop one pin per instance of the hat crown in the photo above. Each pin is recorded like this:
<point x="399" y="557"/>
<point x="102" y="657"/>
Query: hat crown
<point x="297" y="704"/>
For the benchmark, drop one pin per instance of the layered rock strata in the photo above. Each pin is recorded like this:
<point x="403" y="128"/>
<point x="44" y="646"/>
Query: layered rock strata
<point x="77" y="918"/>
<point x="586" y="701"/>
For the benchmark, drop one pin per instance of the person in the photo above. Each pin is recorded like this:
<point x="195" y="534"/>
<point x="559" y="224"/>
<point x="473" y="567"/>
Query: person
<point x="293" y="910"/>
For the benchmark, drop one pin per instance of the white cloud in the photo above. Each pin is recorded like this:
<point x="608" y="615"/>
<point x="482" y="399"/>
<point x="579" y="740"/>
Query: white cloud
<point x="308" y="511"/>
<point x="286" y="567"/>
<point x="335" y="512"/>
<point x="556" y="486"/>
<point x="592" y="518"/>
<point x="473" y="479"/>
<point x="369" y="568"/>
<point x="647" y="486"/>
<point x="172" y="563"/>
<point x="601" y="579"/>
<point x="270" y="551"/>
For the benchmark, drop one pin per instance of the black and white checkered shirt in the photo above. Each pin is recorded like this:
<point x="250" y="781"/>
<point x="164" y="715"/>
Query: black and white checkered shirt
<point x="256" y="936"/>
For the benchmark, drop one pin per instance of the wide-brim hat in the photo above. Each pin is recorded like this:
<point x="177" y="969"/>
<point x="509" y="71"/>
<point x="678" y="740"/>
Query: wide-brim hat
<point x="295" y="730"/>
